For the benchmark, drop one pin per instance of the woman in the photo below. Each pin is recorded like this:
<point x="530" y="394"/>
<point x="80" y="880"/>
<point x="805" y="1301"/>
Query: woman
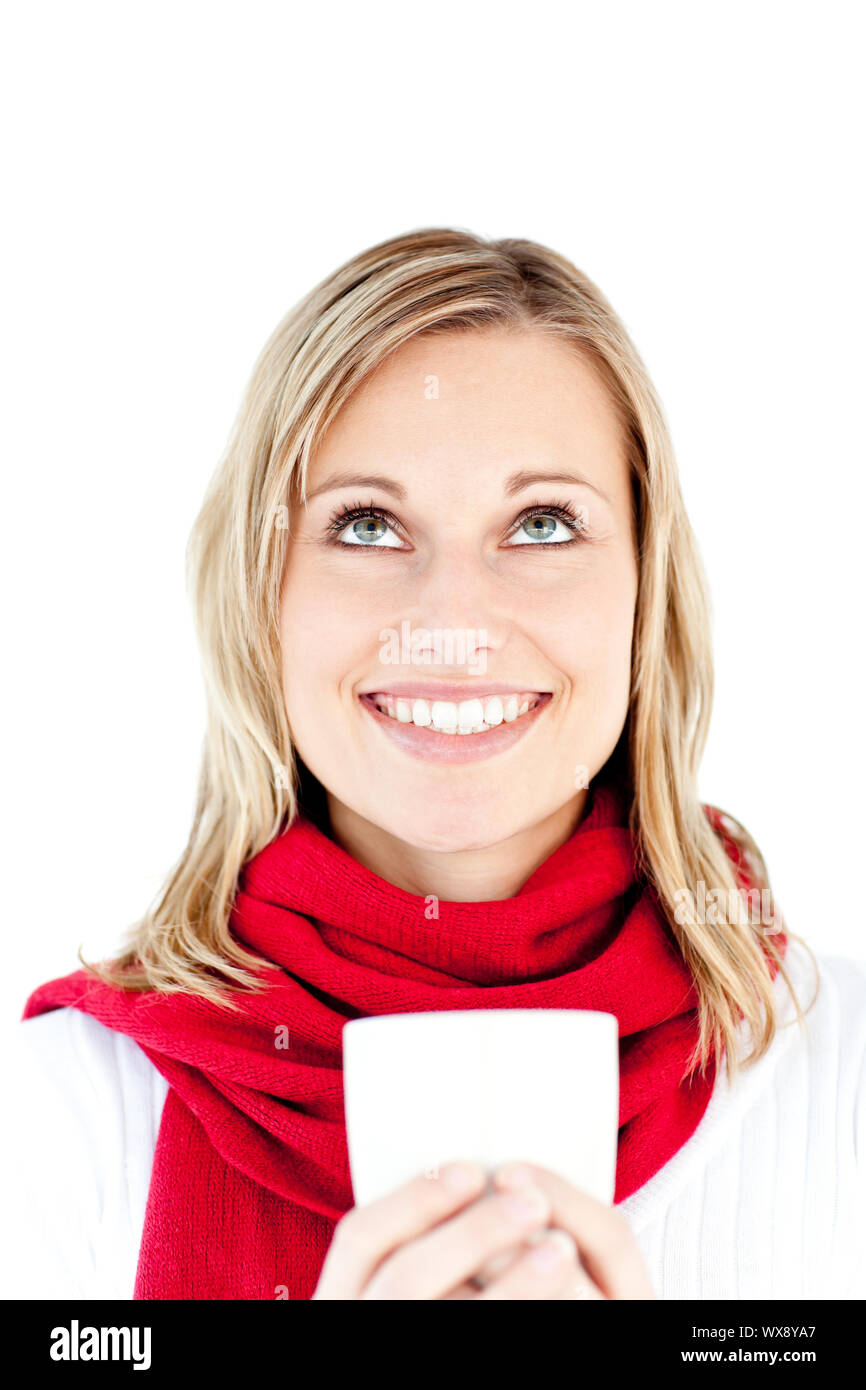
<point x="456" y="646"/>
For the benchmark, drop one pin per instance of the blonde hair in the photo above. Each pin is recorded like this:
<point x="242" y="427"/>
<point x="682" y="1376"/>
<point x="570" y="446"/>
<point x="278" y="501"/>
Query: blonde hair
<point x="441" y="281"/>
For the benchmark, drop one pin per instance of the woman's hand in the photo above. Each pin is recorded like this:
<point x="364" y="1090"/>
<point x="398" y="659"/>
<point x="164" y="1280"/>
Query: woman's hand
<point x="433" y="1238"/>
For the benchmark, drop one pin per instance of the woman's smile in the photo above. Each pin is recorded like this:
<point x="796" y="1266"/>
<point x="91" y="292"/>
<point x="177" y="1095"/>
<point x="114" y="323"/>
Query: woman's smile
<point x="448" y="723"/>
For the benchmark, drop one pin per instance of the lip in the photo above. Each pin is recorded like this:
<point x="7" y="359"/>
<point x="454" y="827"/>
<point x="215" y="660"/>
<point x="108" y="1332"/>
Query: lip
<point x="429" y="746"/>
<point x="442" y="690"/>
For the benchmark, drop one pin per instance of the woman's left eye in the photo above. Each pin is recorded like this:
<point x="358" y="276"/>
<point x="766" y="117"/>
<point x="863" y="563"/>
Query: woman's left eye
<point x="542" y="528"/>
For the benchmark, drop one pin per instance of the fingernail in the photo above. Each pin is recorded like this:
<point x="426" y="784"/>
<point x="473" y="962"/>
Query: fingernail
<point x="462" y="1176"/>
<point x="553" y="1251"/>
<point x="528" y="1205"/>
<point x="514" y="1175"/>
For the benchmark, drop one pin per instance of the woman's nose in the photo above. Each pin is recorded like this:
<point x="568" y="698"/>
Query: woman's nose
<point x="456" y="591"/>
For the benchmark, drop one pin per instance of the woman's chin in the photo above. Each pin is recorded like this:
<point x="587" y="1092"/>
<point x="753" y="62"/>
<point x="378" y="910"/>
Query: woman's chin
<point x="452" y="832"/>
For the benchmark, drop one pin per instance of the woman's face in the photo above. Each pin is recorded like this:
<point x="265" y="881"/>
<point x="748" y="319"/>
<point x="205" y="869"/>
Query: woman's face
<point x="465" y="562"/>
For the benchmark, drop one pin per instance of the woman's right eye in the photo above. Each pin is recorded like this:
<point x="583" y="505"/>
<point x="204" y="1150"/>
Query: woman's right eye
<point x="368" y="528"/>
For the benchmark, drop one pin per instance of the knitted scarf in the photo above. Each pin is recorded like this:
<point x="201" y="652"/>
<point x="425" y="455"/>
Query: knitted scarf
<point x="250" y="1171"/>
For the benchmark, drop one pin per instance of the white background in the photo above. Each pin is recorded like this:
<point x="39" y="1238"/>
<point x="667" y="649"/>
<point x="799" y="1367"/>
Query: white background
<point x="178" y="175"/>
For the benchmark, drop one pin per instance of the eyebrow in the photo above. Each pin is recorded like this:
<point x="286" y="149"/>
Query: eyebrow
<point x="516" y="483"/>
<point x="359" y="480"/>
<point x="525" y="478"/>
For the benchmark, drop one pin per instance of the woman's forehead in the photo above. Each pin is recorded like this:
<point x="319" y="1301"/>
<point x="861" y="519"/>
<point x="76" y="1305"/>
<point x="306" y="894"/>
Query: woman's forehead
<point x="479" y="411"/>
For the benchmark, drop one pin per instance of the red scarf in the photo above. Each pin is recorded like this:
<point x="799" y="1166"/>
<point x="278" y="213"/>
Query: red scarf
<point x="250" y="1171"/>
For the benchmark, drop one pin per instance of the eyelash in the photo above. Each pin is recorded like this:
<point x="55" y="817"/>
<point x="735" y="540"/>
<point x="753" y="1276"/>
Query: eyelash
<point x="562" y="511"/>
<point x="344" y="517"/>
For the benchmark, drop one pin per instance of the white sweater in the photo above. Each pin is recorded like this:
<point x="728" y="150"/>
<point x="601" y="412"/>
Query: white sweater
<point x="766" y="1200"/>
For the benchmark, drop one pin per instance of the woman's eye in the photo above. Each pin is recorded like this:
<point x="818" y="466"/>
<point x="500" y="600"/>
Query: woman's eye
<point x="541" y="528"/>
<point x="370" y="531"/>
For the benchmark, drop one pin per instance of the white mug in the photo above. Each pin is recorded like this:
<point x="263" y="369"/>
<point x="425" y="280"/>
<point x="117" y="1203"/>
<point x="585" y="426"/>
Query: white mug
<point x="493" y="1085"/>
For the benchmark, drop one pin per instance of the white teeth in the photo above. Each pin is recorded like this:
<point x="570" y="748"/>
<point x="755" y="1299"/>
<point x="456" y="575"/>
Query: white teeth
<point x="470" y="713"/>
<point x="476" y="716"/>
<point x="493" y="712"/>
<point x="444" y="716"/>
